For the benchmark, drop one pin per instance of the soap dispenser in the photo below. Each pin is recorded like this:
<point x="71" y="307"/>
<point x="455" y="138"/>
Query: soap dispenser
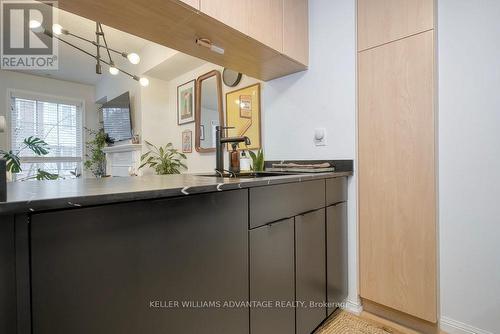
<point x="234" y="158"/>
<point x="245" y="163"/>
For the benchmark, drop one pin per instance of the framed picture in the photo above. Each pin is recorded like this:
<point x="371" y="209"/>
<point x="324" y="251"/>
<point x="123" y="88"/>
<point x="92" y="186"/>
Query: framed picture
<point x="185" y="102"/>
<point x="202" y="132"/>
<point x="246" y="106"/>
<point x="187" y="141"/>
<point x="243" y="113"/>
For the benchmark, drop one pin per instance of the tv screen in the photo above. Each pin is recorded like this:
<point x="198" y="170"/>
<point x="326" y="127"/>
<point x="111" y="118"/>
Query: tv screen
<point x="116" y="118"/>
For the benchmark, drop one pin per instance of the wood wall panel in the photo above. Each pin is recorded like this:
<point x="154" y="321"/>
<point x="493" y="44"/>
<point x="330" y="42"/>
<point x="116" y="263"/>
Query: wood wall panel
<point x="228" y="12"/>
<point x="193" y="3"/>
<point x="383" y="21"/>
<point x="397" y="198"/>
<point x="295" y="30"/>
<point x="259" y="19"/>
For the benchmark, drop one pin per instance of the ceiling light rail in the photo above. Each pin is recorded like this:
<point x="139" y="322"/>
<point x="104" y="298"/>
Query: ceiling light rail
<point x="57" y="31"/>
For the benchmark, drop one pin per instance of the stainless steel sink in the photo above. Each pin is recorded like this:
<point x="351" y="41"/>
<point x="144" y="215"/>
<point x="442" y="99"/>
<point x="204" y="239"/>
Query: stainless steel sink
<point x="252" y="175"/>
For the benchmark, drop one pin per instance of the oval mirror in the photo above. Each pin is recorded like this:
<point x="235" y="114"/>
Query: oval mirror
<point x="231" y="78"/>
<point x="208" y="110"/>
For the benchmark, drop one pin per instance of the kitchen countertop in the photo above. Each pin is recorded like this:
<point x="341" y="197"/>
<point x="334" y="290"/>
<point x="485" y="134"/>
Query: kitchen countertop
<point x="36" y="196"/>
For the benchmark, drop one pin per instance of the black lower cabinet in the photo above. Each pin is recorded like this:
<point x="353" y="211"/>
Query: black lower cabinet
<point x="128" y="268"/>
<point x="310" y="270"/>
<point x="8" y="302"/>
<point x="272" y="278"/>
<point x="336" y="234"/>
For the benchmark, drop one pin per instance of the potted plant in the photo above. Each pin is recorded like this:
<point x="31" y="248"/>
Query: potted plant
<point x="13" y="159"/>
<point x="96" y="158"/>
<point x="164" y="160"/>
<point x="257" y="160"/>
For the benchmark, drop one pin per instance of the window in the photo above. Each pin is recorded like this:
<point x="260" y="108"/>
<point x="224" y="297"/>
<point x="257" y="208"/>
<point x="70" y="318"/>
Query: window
<point x="58" y="123"/>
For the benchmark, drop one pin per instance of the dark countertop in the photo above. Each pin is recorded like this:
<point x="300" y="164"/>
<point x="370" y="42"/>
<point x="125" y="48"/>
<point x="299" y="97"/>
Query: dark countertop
<point x="36" y="196"/>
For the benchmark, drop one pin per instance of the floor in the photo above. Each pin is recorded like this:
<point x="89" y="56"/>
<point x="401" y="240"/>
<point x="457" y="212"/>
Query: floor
<point x="347" y="323"/>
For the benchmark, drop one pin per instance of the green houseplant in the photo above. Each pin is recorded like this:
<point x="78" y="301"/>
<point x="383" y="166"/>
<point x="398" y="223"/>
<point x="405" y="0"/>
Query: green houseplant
<point x="257" y="160"/>
<point x="164" y="159"/>
<point x="95" y="157"/>
<point x="13" y="159"/>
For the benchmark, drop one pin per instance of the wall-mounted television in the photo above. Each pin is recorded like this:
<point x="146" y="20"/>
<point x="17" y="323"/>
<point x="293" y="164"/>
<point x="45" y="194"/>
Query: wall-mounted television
<point x="116" y="118"/>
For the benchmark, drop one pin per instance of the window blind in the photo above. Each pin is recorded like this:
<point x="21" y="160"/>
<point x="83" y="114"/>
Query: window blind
<point x="58" y="123"/>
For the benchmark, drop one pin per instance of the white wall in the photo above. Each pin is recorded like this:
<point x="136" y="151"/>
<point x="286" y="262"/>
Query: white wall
<point x="42" y="85"/>
<point x="469" y="164"/>
<point x="325" y="97"/>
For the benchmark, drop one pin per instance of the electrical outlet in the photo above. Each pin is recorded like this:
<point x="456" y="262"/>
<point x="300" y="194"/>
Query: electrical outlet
<point x="320" y="137"/>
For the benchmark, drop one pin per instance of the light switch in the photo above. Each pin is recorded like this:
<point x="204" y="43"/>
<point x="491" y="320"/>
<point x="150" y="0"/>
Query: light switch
<point x="320" y="137"/>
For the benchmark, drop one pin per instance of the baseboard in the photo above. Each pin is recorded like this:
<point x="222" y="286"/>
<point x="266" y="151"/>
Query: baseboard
<point x="353" y="307"/>
<point x="407" y="321"/>
<point x="451" y="326"/>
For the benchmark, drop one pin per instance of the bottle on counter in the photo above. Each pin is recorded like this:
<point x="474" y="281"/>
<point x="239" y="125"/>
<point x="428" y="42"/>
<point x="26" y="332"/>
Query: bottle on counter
<point x="234" y="158"/>
<point x="245" y="162"/>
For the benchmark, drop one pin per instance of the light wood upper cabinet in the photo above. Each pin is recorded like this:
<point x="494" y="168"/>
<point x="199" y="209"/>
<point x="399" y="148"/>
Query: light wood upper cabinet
<point x="259" y="19"/>
<point x="265" y="22"/>
<point x="231" y="13"/>
<point x="250" y="31"/>
<point x="193" y="3"/>
<point x="296" y="30"/>
<point x="397" y="209"/>
<point x="279" y="24"/>
<point x="383" y="21"/>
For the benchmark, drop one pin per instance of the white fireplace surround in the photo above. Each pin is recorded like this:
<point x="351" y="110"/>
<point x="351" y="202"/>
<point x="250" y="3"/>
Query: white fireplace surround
<point x="120" y="159"/>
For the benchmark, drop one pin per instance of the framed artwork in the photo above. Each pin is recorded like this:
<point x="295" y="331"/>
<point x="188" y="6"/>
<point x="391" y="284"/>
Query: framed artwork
<point x="185" y="102"/>
<point x="187" y="141"/>
<point x="202" y="132"/>
<point x="243" y="113"/>
<point x="246" y="106"/>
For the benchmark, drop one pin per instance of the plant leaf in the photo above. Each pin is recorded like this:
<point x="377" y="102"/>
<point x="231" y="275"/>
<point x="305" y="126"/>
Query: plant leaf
<point x="13" y="163"/>
<point x="145" y="155"/>
<point x="252" y="155"/>
<point x="43" y="175"/>
<point x="37" y="145"/>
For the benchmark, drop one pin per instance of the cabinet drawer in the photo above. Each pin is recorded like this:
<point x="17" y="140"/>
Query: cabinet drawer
<point x="336" y="190"/>
<point x="272" y="203"/>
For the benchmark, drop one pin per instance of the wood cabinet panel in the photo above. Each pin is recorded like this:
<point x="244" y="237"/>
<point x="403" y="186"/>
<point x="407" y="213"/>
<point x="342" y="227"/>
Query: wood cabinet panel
<point x="259" y="19"/>
<point x="266" y="22"/>
<point x="272" y="273"/>
<point x="193" y="3"/>
<point x="383" y="21"/>
<point x="296" y="30"/>
<point x="397" y="197"/>
<point x="232" y="13"/>
<point x="97" y="270"/>
<point x="178" y="26"/>
<point x="310" y="270"/>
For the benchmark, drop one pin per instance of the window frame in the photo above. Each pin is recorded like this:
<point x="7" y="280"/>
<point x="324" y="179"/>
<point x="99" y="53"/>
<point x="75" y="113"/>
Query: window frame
<point x="31" y="95"/>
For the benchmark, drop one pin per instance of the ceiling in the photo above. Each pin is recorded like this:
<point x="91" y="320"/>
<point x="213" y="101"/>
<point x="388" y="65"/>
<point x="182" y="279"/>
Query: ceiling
<point x="175" y="66"/>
